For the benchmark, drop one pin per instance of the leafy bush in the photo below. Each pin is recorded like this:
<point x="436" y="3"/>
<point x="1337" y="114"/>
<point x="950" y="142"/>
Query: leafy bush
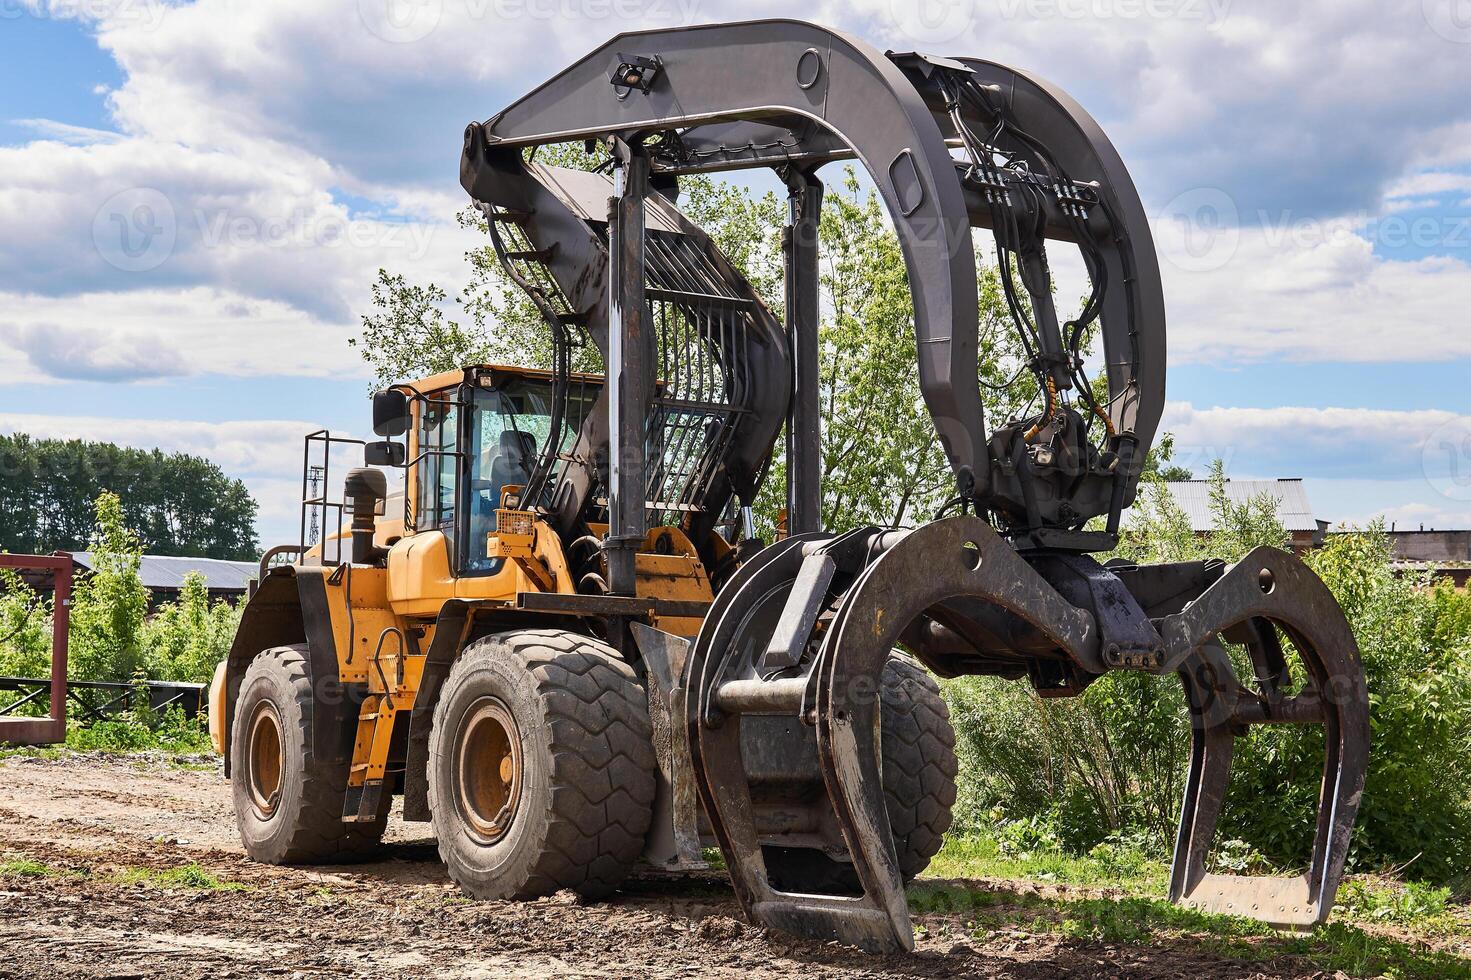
<point x="25" y="628"/>
<point x="184" y="640"/>
<point x="1121" y="856"/>
<point x="1113" y="759"/>
<point x="143" y="731"/>
<point x="113" y="638"/>
<point x="1016" y="838"/>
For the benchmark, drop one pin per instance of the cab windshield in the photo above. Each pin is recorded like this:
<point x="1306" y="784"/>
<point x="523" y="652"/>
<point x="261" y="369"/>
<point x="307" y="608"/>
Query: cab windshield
<point x="509" y="425"/>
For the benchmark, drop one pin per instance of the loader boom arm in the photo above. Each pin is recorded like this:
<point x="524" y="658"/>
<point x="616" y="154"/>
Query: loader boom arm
<point x="793" y="96"/>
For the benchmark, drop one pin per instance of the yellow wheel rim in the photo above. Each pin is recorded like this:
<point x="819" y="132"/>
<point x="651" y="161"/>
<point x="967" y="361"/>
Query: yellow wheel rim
<point x="488" y="764"/>
<point x="267" y="759"/>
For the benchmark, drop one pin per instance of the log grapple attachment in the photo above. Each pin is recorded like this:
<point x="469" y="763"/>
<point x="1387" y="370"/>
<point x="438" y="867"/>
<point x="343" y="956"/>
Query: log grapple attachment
<point x="773" y="711"/>
<point x="873" y="589"/>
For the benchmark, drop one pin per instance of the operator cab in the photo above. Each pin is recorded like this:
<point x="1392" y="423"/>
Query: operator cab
<point x="471" y="434"/>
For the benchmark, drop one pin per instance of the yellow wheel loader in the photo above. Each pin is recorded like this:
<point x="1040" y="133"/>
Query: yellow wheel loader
<point x="562" y="644"/>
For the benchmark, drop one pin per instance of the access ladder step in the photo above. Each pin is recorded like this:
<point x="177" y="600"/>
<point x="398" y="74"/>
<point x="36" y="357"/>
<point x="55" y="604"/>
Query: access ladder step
<point x="360" y="803"/>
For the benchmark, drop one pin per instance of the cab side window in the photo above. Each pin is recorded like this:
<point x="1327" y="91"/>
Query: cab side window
<point x="438" y="435"/>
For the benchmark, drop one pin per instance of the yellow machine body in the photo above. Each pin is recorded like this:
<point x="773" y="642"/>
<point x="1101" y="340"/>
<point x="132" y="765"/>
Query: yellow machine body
<point x="380" y="622"/>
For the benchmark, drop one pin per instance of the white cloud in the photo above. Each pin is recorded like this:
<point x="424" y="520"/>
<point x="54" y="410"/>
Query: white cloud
<point x="241" y="124"/>
<point x="142" y="213"/>
<point x="1306" y="290"/>
<point x="67" y="133"/>
<point x="199" y="330"/>
<point x="1381" y="444"/>
<point x="240" y="448"/>
<point x="1429" y="182"/>
<point x="1358" y="464"/>
<point x="1402" y="504"/>
<point x="243" y="117"/>
<point x="85" y="353"/>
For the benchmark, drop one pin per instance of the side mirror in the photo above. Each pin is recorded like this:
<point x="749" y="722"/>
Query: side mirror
<point x="390" y="412"/>
<point x="384" y="453"/>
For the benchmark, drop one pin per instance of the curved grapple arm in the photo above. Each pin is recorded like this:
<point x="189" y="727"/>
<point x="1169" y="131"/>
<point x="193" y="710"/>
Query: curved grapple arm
<point x="793" y="95"/>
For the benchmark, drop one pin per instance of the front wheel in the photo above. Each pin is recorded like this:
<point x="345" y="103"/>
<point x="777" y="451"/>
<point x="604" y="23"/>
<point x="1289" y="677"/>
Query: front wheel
<point x="288" y="803"/>
<point x="541" y="772"/>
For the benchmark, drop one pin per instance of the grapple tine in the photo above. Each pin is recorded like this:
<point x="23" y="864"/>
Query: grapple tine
<point x="721" y="772"/>
<point x="840" y="696"/>
<point x="1268" y="586"/>
<point x="848" y="721"/>
<point x="1212" y="744"/>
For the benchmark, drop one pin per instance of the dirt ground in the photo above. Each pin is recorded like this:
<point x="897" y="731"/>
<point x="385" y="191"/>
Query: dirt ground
<point x="115" y="818"/>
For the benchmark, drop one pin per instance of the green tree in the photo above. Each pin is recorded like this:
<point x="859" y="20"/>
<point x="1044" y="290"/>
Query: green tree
<point x="110" y="602"/>
<point x="184" y="640"/>
<point x="882" y="462"/>
<point x="408" y="335"/>
<point x="179" y="504"/>
<point x="1160" y="463"/>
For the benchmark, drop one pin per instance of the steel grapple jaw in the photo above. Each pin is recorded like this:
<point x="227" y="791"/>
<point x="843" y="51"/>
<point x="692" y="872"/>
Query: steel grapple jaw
<point x="1266" y="597"/>
<point x="795" y="645"/>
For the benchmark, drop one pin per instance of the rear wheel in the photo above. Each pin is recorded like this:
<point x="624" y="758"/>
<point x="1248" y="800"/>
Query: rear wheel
<point x="541" y="771"/>
<point x="919" y="771"/>
<point x="288" y="804"/>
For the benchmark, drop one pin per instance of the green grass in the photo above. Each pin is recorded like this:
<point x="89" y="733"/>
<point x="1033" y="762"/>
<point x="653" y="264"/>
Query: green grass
<point x="1107" y="865"/>
<point x="1140" y="916"/>
<point x="23" y="867"/>
<point x="127" y="735"/>
<point x="26" y="868"/>
<point x="1404" y="903"/>
<point x="189" y="875"/>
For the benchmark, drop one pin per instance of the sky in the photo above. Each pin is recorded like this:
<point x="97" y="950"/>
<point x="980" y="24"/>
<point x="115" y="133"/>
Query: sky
<point x="196" y="197"/>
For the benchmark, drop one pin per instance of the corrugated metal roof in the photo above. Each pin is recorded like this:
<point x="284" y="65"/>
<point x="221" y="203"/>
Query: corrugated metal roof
<point x="167" y="572"/>
<point x="1293" y="510"/>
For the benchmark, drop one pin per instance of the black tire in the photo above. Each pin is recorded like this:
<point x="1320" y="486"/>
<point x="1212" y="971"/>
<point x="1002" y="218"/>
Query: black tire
<point x="579" y="808"/>
<point x="919" y="771"/>
<point x="919" y="762"/>
<point x="301" y="821"/>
